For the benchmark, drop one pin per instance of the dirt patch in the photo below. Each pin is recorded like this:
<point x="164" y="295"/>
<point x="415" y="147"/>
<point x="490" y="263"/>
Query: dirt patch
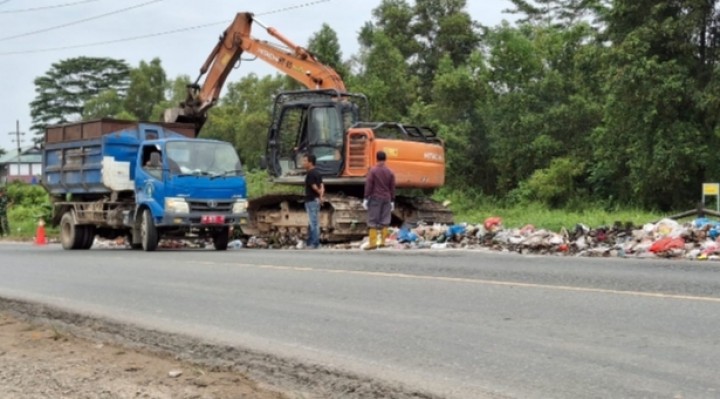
<point x="46" y="352"/>
<point x="40" y="361"/>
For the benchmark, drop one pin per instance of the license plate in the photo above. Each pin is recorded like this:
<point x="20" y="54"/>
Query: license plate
<point x="212" y="219"/>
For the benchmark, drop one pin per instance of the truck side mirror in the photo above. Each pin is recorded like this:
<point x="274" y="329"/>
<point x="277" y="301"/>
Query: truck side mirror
<point x="263" y="162"/>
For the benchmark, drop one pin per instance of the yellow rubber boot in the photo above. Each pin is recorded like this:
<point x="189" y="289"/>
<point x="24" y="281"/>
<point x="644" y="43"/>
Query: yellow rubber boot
<point x="372" y="242"/>
<point x="383" y="237"/>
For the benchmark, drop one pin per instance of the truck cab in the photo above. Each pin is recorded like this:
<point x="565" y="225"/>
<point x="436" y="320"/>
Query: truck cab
<point x="189" y="185"/>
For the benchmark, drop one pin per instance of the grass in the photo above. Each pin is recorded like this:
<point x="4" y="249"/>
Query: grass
<point x="25" y="229"/>
<point x="475" y="209"/>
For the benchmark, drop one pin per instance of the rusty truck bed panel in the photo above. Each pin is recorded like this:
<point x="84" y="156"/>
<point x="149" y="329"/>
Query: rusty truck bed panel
<point x="97" y="128"/>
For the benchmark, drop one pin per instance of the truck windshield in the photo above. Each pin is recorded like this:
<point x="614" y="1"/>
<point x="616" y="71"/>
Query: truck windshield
<point x="203" y="158"/>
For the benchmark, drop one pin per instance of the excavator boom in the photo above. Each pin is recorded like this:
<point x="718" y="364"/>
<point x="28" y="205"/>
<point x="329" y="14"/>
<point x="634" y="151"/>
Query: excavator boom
<point x="288" y="58"/>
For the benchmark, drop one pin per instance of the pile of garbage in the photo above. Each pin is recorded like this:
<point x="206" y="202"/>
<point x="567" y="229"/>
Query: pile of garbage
<point x="122" y="243"/>
<point x="667" y="238"/>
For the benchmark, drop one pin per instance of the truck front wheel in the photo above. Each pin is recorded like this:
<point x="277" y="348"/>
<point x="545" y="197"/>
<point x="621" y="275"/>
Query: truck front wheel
<point x="72" y="236"/>
<point x="221" y="239"/>
<point x="148" y="231"/>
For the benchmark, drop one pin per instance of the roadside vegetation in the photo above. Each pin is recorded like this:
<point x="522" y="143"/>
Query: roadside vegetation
<point x="30" y="203"/>
<point x="474" y="208"/>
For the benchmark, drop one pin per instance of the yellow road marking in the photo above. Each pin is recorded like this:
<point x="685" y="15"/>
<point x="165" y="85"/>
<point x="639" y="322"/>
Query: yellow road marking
<point x="474" y="281"/>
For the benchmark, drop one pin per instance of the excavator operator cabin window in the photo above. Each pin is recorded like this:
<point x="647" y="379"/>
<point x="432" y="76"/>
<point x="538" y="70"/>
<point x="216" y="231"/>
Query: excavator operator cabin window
<point x="326" y="133"/>
<point x="350" y="114"/>
<point x="290" y="131"/>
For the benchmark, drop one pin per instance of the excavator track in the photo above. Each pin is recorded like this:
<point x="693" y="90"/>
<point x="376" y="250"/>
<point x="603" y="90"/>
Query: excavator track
<point x="282" y="218"/>
<point x="416" y="210"/>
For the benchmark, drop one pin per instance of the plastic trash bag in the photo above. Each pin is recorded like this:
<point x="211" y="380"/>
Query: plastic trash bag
<point x="455" y="230"/>
<point x="404" y="235"/>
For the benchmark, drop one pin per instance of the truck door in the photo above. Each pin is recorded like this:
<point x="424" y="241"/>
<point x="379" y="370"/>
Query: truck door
<point x="149" y="177"/>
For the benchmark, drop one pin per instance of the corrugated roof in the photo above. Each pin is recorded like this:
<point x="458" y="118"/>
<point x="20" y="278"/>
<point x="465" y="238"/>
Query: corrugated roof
<point x="28" y="155"/>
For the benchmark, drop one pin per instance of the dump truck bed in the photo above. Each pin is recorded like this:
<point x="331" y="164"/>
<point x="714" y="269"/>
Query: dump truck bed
<point x="98" y="157"/>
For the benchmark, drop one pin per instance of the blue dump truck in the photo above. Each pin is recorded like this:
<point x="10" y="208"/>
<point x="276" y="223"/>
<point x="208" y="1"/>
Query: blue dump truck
<point x="143" y="181"/>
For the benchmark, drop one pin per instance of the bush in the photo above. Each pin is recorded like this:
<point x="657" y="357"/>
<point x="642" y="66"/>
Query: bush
<point x="30" y="202"/>
<point x="557" y="184"/>
<point x="259" y="184"/>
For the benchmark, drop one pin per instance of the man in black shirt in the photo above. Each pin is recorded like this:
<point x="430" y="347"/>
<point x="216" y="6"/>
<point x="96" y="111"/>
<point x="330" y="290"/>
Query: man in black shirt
<point x="314" y="191"/>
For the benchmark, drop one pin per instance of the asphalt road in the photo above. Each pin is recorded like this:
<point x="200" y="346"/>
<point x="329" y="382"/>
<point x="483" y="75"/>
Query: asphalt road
<point x="458" y="324"/>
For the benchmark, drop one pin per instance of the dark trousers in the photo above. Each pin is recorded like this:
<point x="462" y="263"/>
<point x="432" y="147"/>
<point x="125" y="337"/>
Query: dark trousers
<point x="379" y="213"/>
<point x="4" y="226"/>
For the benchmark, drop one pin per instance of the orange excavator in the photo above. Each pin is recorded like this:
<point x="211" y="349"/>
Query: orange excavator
<point x="329" y="122"/>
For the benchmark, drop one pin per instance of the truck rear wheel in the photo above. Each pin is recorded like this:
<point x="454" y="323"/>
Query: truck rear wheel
<point x="88" y="236"/>
<point x="72" y="236"/>
<point x="221" y="239"/>
<point x="148" y="232"/>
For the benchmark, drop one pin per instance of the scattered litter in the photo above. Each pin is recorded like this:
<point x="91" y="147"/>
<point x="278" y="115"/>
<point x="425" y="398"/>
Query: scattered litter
<point x="235" y="244"/>
<point x="698" y="239"/>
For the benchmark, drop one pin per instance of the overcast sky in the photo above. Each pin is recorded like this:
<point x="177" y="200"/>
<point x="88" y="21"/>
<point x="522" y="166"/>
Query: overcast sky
<point x="43" y="30"/>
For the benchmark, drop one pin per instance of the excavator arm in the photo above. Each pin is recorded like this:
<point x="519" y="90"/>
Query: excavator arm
<point x="289" y="58"/>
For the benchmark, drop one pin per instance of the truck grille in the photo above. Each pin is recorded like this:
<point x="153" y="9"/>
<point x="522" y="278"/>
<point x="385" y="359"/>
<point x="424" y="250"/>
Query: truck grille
<point x="210" y="206"/>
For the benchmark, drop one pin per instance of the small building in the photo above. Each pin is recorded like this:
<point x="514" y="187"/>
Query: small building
<point x="26" y="166"/>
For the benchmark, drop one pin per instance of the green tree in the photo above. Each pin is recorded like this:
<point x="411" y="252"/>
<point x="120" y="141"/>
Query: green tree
<point x="62" y="92"/>
<point x="545" y="99"/>
<point x="562" y="13"/>
<point x="390" y="88"/>
<point x="457" y="114"/>
<point x="659" y="136"/>
<point x="326" y="47"/>
<point x="394" y="18"/>
<point x="147" y="89"/>
<point x="422" y="34"/>
<point x="107" y="104"/>
<point x="175" y="92"/>
<point x="243" y="116"/>
<point x="443" y="28"/>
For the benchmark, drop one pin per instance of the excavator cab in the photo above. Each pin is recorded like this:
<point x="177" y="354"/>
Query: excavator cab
<point x="311" y="122"/>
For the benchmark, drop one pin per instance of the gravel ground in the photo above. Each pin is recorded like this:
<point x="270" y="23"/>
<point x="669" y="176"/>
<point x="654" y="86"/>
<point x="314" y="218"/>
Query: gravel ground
<point x="40" y="361"/>
<point x="46" y="352"/>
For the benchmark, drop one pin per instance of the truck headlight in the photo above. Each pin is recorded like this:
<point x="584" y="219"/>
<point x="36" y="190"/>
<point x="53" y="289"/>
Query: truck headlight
<point x="176" y="205"/>
<point x="240" y="206"/>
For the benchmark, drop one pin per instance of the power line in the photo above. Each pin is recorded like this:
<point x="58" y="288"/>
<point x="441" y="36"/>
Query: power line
<point x="126" y="39"/>
<point x="288" y="8"/>
<point x="79" y="21"/>
<point x="164" y="33"/>
<point x="17" y="11"/>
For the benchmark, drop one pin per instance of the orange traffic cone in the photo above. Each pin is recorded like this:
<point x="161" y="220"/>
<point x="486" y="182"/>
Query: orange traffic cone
<point x="40" y="233"/>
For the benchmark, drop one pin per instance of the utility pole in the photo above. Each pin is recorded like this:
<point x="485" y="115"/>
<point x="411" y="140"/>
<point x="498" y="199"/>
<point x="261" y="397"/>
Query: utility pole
<point x="18" y="139"/>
